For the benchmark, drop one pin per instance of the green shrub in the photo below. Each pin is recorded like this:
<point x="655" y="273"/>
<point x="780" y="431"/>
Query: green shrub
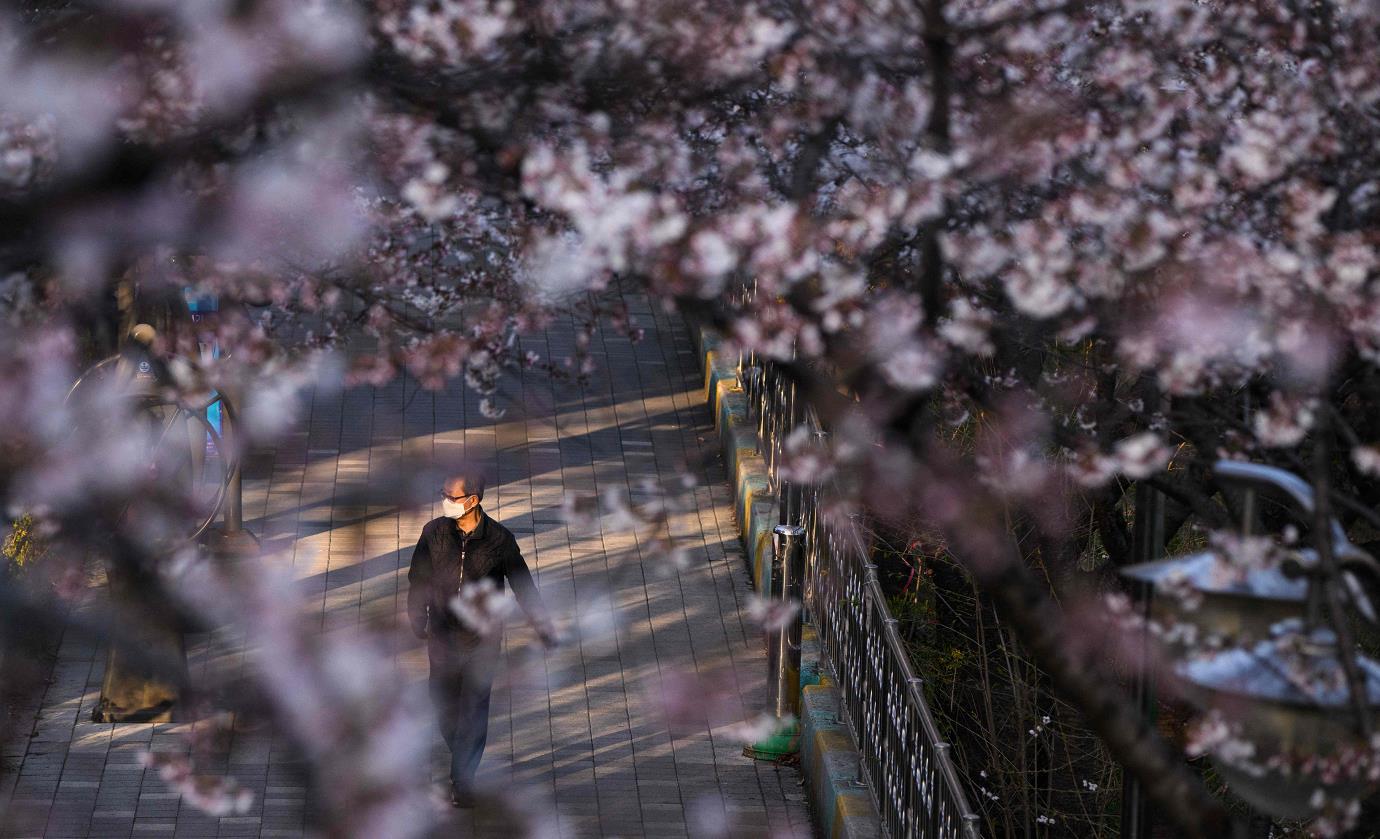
<point x="24" y="545"/>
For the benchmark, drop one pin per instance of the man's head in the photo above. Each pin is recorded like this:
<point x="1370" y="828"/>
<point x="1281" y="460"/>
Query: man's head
<point x="462" y="492"/>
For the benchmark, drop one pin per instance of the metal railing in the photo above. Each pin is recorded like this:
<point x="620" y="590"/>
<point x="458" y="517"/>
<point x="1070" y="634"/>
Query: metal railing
<point x="904" y="757"/>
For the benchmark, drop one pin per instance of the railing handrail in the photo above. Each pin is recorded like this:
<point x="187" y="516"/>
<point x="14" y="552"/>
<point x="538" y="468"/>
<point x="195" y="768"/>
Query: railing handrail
<point x="949" y="812"/>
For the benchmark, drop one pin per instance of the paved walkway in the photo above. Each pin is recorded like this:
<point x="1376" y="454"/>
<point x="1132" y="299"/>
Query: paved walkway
<point x="582" y="727"/>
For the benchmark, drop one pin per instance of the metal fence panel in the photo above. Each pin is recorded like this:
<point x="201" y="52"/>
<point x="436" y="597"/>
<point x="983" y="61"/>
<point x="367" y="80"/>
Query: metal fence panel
<point x="904" y="758"/>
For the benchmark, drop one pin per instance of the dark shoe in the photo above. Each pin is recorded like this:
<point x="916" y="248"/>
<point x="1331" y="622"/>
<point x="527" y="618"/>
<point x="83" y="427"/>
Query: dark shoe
<point x="461" y="799"/>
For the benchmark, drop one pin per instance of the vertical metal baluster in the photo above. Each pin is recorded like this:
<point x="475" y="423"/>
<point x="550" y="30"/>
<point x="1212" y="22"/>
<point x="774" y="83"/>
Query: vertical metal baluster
<point x="740" y="369"/>
<point x="773" y="431"/>
<point x="764" y="378"/>
<point x="788" y="512"/>
<point x="812" y="539"/>
<point x="754" y="364"/>
<point x="792" y="413"/>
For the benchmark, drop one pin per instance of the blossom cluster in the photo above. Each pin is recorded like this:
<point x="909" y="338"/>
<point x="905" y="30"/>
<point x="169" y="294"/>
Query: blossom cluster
<point x="1028" y="253"/>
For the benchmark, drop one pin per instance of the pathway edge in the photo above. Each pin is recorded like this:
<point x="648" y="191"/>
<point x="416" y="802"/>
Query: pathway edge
<point x="837" y="791"/>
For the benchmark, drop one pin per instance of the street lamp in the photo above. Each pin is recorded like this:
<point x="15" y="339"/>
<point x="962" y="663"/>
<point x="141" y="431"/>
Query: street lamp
<point x="1289" y="697"/>
<point x="1224" y="596"/>
<point x="1279" y="679"/>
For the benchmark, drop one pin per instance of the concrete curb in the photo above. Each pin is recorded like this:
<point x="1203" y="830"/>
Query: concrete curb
<point x="830" y="761"/>
<point x="829" y="758"/>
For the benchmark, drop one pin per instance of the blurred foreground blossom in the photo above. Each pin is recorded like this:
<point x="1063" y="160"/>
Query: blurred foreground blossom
<point x="647" y="512"/>
<point x="1142" y="455"/>
<point x="707" y="816"/>
<point x="597" y="623"/>
<point x="772" y="613"/>
<point x="215" y="795"/>
<point x="1284" y="421"/>
<point x="580" y="510"/>
<point x="989" y="239"/>
<point x="1139" y="456"/>
<point x="759" y="727"/>
<point x="336" y="696"/>
<point x="482" y="608"/>
<point x="1367" y="459"/>
<point x="693" y="702"/>
<point x="805" y="459"/>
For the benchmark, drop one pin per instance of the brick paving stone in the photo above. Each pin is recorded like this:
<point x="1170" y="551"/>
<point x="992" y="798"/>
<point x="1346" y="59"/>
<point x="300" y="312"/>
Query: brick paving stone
<point x="581" y="727"/>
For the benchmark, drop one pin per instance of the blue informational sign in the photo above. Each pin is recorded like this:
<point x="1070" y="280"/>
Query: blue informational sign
<point x="204" y="308"/>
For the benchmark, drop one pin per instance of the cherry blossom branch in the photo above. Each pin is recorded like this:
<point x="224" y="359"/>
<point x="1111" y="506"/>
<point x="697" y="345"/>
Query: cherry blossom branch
<point x="1031" y="16"/>
<point x="1041" y="625"/>
<point x="130" y="166"/>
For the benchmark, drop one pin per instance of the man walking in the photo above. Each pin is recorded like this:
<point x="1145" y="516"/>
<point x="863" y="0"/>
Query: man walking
<point x="466" y="554"/>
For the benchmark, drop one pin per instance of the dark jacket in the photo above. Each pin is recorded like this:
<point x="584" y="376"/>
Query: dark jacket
<point x="436" y="574"/>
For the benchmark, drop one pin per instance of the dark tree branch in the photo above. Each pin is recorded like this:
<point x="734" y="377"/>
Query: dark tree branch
<point x="939" y="52"/>
<point x="1111" y="527"/>
<point x="1042" y="628"/>
<point x="815" y="147"/>
<point x="1356" y="683"/>
<point x="983" y="543"/>
<point x="1189" y="493"/>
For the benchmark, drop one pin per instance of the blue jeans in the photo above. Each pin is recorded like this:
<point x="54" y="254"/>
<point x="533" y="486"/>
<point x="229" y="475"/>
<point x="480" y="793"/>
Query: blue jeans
<point x="462" y="675"/>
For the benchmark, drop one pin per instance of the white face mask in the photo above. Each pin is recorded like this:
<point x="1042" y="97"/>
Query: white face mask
<point x="454" y="509"/>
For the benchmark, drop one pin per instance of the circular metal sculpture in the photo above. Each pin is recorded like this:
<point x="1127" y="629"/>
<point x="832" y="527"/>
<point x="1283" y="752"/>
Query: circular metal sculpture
<point x="183" y="457"/>
<point x="182" y="448"/>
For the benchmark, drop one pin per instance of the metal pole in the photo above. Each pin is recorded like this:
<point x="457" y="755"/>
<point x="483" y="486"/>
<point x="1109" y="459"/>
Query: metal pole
<point x="772" y="638"/>
<point x="233" y="540"/>
<point x="810" y="568"/>
<point x="789" y="555"/>
<point x="1147" y="544"/>
<point x="1147" y="537"/>
<point x="234" y="496"/>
